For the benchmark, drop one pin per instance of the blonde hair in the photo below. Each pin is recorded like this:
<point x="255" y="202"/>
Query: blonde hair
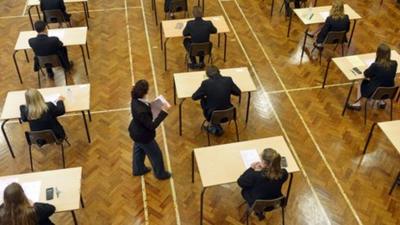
<point x="337" y="10"/>
<point x="272" y="160"/>
<point x="383" y="56"/>
<point x="35" y="104"/>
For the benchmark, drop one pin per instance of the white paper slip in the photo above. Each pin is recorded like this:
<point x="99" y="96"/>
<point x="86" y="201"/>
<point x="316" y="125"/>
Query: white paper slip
<point x="157" y="104"/>
<point x="32" y="190"/>
<point x="355" y="61"/>
<point x="249" y="157"/>
<point x="324" y="15"/>
<point x="52" y="98"/>
<point x="368" y="62"/>
<point x="56" y="33"/>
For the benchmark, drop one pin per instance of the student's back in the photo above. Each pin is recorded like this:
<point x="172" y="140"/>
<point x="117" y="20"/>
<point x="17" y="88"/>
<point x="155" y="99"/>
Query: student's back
<point x="199" y="30"/>
<point x="43" y="45"/>
<point x="333" y="24"/>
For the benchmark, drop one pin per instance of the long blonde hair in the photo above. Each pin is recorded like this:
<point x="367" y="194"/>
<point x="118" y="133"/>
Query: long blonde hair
<point x="337" y="10"/>
<point x="35" y="104"/>
<point x="272" y="160"/>
<point x="383" y="56"/>
<point x="17" y="210"/>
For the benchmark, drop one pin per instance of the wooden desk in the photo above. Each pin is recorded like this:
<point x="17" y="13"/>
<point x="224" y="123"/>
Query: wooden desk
<point x="174" y="28"/>
<point x="392" y="130"/>
<point x="36" y="3"/>
<point x="185" y="84"/>
<point x="223" y="164"/>
<point x="68" y="36"/>
<point x="66" y="181"/>
<point x="77" y="98"/>
<point x="362" y="61"/>
<point x="319" y="15"/>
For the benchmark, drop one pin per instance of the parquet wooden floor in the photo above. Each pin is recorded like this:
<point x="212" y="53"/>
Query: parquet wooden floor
<point x="336" y="185"/>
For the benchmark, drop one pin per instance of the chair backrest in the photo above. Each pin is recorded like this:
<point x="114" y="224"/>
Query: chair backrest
<point x="268" y="205"/>
<point x="41" y="138"/>
<point x="335" y="37"/>
<point x="52" y="60"/>
<point x="178" y="5"/>
<point x="54" y="16"/>
<point x="383" y="93"/>
<point x="197" y="49"/>
<point x="223" y="116"/>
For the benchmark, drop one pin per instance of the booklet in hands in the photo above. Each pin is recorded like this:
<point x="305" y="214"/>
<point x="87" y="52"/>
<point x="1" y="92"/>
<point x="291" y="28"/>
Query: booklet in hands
<point x="157" y="104"/>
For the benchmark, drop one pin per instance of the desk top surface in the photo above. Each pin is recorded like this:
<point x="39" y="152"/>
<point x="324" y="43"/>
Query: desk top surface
<point x="67" y="182"/>
<point x="187" y="83"/>
<point x="392" y="131"/>
<point x="223" y="164"/>
<point x="68" y="36"/>
<point x="174" y="28"/>
<point x="362" y="62"/>
<point x="37" y="2"/>
<point x="320" y="13"/>
<point x="77" y="98"/>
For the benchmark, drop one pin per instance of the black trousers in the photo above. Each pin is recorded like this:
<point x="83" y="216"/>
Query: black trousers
<point x="152" y="150"/>
<point x="187" y="43"/>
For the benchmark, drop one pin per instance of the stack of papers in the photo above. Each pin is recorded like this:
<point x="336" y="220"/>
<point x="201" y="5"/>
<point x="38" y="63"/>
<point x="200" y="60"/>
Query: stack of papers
<point x="249" y="157"/>
<point x="157" y="104"/>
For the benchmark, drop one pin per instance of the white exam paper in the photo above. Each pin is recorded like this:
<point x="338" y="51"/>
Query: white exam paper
<point x="56" y="33"/>
<point x="249" y="157"/>
<point x="52" y="98"/>
<point x="355" y="61"/>
<point x="324" y="14"/>
<point x="32" y="190"/>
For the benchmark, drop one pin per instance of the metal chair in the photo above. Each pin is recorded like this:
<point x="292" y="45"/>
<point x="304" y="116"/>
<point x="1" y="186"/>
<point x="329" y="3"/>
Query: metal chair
<point x="199" y="49"/>
<point x="178" y="6"/>
<point x="333" y="37"/>
<point x="396" y="182"/>
<point x="302" y="4"/>
<point x="220" y="117"/>
<point x="55" y="16"/>
<point x="261" y="206"/>
<point x="382" y="93"/>
<point x="41" y="138"/>
<point x="45" y="61"/>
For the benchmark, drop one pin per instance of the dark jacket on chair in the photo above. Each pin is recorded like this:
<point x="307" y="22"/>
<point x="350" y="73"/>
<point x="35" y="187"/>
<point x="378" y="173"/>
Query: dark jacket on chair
<point x="43" y="45"/>
<point x="255" y="186"/>
<point x="54" y="4"/>
<point x="199" y="30"/>
<point x="215" y="94"/>
<point x="378" y="77"/>
<point x="48" y="120"/>
<point x="331" y="24"/>
<point x="43" y="212"/>
<point x="142" y="128"/>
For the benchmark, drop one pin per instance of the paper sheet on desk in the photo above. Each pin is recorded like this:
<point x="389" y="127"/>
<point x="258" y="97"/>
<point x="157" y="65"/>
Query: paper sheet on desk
<point x="249" y="157"/>
<point x="52" y="98"/>
<point x="355" y="61"/>
<point x="368" y="62"/>
<point x="56" y="33"/>
<point x="324" y="15"/>
<point x="32" y="190"/>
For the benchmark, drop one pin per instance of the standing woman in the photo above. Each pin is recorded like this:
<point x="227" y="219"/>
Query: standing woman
<point x="263" y="180"/>
<point x="381" y="73"/>
<point x="17" y="210"/>
<point x="42" y="115"/>
<point x="142" y="130"/>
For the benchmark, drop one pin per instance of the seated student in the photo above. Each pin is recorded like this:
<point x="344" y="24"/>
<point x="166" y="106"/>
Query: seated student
<point x="17" y="209"/>
<point x="42" y="115"/>
<point x="287" y="5"/>
<point x="169" y="10"/>
<point x="381" y="73"/>
<point x="263" y="180"/>
<point x="44" y="45"/>
<point x="199" y="31"/>
<point x="215" y="94"/>
<point x="54" y="4"/>
<point x="336" y="21"/>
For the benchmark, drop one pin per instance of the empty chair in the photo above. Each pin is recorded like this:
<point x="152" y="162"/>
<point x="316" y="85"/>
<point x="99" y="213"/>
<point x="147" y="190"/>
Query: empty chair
<point x="261" y="206"/>
<point x="49" y="61"/>
<point x="221" y="117"/>
<point x="41" y="138"/>
<point x="199" y="49"/>
<point x="55" y="16"/>
<point x="382" y="93"/>
<point x="332" y="38"/>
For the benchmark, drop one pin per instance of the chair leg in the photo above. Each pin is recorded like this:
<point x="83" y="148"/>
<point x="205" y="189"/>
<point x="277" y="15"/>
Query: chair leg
<point x="208" y="134"/>
<point x="237" y="131"/>
<point x="365" y="112"/>
<point x="394" y="184"/>
<point x="62" y="154"/>
<point x="391" y="109"/>
<point x="66" y="140"/>
<point x="320" y="55"/>
<point x="38" y="77"/>
<point x="30" y="157"/>
<point x="342" y="49"/>
<point x="283" y="216"/>
<point x="202" y="125"/>
<point x="247" y="217"/>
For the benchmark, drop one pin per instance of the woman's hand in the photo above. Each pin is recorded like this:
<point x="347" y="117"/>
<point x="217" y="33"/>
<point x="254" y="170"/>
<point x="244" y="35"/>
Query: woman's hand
<point x="257" y="166"/>
<point x="61" y="98"/>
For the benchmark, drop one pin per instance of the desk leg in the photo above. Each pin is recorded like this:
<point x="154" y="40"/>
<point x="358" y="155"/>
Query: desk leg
<point x="87" y="51"/>
<point x="86" y="127"/>
<point x="290" y="22"/>
<point x="326" y="72"/>
<point x="315" y="3"/>
<point x="180" y="117"/>
<point x="397" y="181"/>
<point x="203" y="6"/>
<point x="202" y="204"/>
<point x="30" y="17"/>
<point x="26" y="56"/>
<point x="155" y="12"/>
<point x="304" y="44"/>
<point x="165" y="54"/>
<point x="161" y="37"/>
<point x="248" y="106"/>
<point x="219" y="40"/>
<point x="89" y="115"/>
<point x="192" y="166"/>
<point x="16" y="66"/>
<point x="87" y="9"/>
<point x="272" y="7"/>
<point x="369" y="138"/>
<point x="352" y="32"/>
<point x="152" y="5"/>
<point x="173" y="81"/>
<point x="289" y="187"/>
<point x="347" y="99"/>
<point x="226" y="39"/>
<point x="74" y="217"/>
<point x="5" y="137"/>
<point x="86" y="12"/>
<point x="82" y="203"/>
<point x="84" y="61"/>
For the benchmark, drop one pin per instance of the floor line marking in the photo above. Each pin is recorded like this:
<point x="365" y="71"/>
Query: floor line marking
<point x="276" y="116"/>
<point x="302" y="119"/>
<point x="164" y="136"/>
<point x="23" y="12"/>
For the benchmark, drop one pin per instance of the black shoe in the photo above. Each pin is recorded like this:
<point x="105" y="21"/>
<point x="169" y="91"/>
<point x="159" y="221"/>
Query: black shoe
<point x="219" y="130"/>
<point x="165" y="176"/>
<point x="260" y="216"/>
<point x="382" y="105"/>
<point x="202" y="65"/>
<point x="50" y="75"/>
<point x="353" y="107"/>
<point x="145" y="170"/>
<point x="192" y="66"/>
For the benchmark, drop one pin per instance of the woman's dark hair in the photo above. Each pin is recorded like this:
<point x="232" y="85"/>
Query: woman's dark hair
<point x="383" y="56"/>
<point x="140" y="89"/>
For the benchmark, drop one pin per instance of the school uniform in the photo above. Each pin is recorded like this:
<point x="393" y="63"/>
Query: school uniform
<point x="379" y="76"/>
<point x="52" y="5"/>
<point x="43" y="212"/>
<point x="340" y="24"/>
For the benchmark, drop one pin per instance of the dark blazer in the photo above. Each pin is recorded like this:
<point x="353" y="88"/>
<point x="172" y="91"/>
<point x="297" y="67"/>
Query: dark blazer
<point x="48" y="120"/>
<point x="378" y="77"/>
<point x="331" y="24"/>
<point x="215" y="94"/>
<point x="54" y="4"/>
<point x="43" y="212"/>
<point x="142" y="128"/>
<point x="255" y="186"/>
<point x="199" y="30"/>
